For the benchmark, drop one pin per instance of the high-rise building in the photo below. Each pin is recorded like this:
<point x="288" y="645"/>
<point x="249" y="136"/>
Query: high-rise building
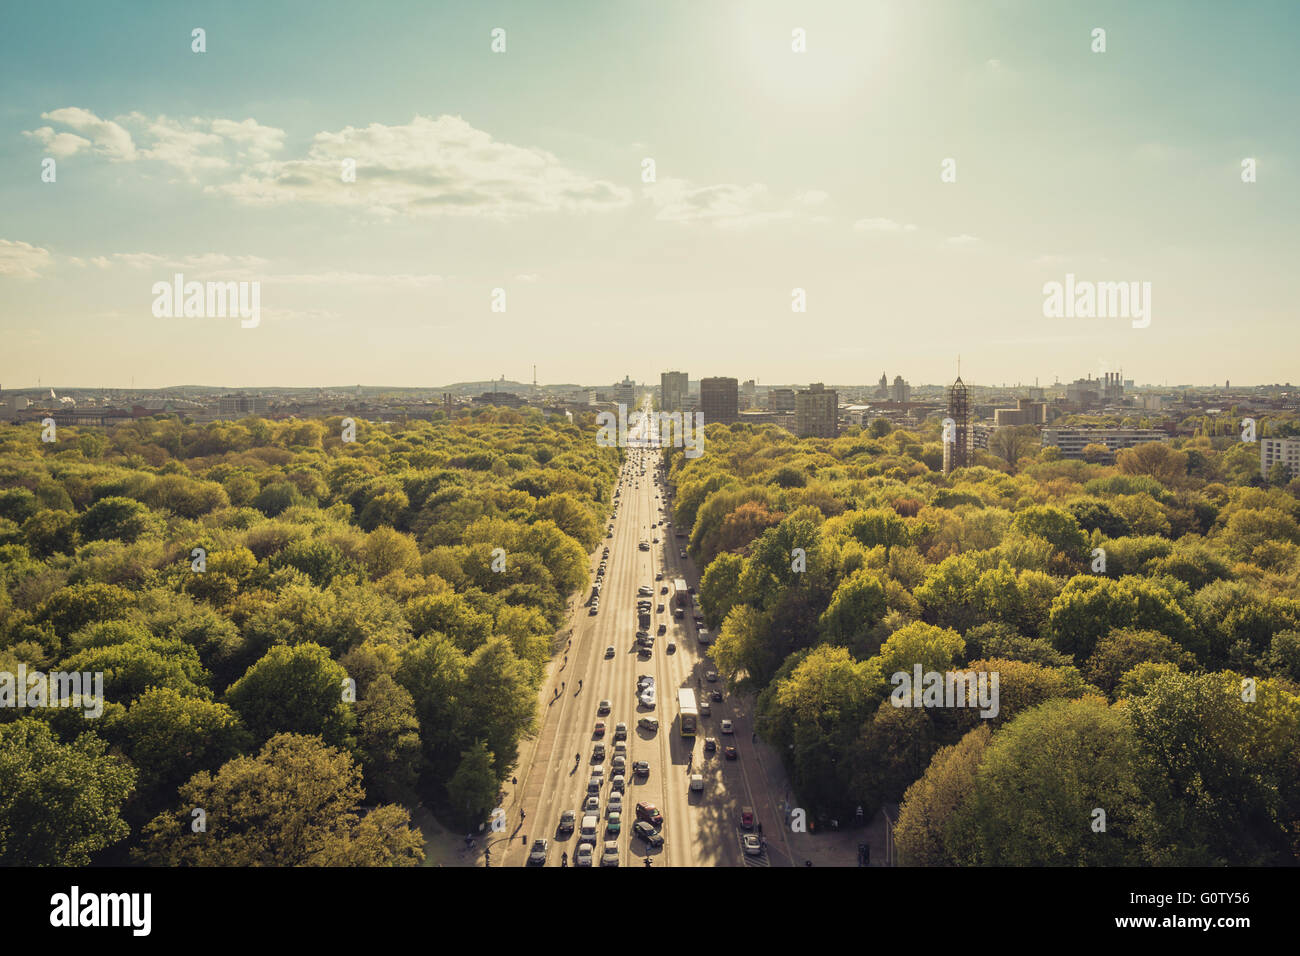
<point x="901" y="392"/>
<point x="957" y="443"/>
<point x="1284" y="450"/>
<point x="719" y="400"/>
<point x="780" y="400"/>
<point x="673" y="387"/>
<point x="625" y="392"/>
<point x="747" y="394"/>
<point x="816" y="412"/>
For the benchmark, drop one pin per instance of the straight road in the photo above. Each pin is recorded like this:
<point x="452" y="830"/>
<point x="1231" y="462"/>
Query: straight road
<point x="699" y="828"/>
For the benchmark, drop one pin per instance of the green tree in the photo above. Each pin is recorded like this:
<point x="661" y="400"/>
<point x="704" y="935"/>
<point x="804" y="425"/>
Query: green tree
<point x="472" y="789"/>
<point x="297" y="803"/>
<point x="296" y="690"/>
<point x="60" y="803"/>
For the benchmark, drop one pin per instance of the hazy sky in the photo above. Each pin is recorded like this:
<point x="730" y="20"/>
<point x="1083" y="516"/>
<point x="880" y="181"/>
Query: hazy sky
<point x="523" y="170"/>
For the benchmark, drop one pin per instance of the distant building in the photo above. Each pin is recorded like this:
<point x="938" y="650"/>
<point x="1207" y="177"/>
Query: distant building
<point x="499" y="399"/>
<point x="747" y="394"/>
<point x="240" y="405"/>
<point x="673" y="387"/>
<point x="957" y="446"/>
<point x="816" y="412"/>
<point x="1072" y="441"/>
<point x="780" y="400"/>
<point x="1026" y="412"/>
<point x="719" y="400"/>
<point x="901" y="392"/>
<point x="882" y="389"/>
<point x="625" y="392"/>
<point x="1284" y="450"/>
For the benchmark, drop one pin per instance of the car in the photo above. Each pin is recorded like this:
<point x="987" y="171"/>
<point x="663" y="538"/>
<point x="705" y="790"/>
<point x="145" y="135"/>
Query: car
<point x="659" y="610"/>
<point x="618" y="764"/>
<point x="648" y="723"/>
<point x="593" y="784"/>
<point x="537" y="855"/>
<point x="643" y="546"/>
<point x="727" y="728"/>
<point x="602" y="708"/>
<point x="753" y="847"/>
<point x="582" y="855"/>
<point x="715" y="695"/>
<point x="729" y="752"/>
<point x="664" y="589"/>
<point x="614" y="822"/>
<point x="591" y="805"/>
<point x="706" y="710"/>
<point x="682" y="555"/>
<point x="649" y="813"/>
<point x="649" y="834"/>
<point x="594" y="610"/>
<point x="644" y="590"/>
<point x="620" y="732"/>
<point x="614" y="803"/>
<point x="610" y="855"/>
<point x="656" y="540"/>
<point x="711" y="677"/>
<point x="597" y="753"/>
<point x="710" y="745"/>
<point x="609" y="652"/>
<point x="659" y="576"/>
<point x="647" y="700"/>
<point x="678" y="613"/>
<point x="671" y="648"/>
<point x="747" y="817"/>
<point x="619" y="783"/>
<point x="644" y="680"/>
<point x="568" y="820"/>
<point x="599" y="730"/>
<point x="697" y="781"/>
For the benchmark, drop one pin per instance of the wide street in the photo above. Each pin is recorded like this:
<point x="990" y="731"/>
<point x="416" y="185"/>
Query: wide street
<point x="700" y="828"/>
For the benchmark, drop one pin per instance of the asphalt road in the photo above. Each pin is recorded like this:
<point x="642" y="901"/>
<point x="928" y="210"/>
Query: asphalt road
<point x="699" y="828"/>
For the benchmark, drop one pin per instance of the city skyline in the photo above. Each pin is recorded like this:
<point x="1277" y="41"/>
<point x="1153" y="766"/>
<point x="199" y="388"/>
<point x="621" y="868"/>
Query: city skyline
<point x="775" y="171"/>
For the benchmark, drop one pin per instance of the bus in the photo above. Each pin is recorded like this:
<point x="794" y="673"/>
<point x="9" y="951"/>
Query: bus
<point x="681" y="593"/>
<point x="689" y="712"/>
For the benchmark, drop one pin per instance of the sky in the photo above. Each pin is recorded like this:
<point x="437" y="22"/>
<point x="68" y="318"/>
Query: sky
<point x="525" y="171"/>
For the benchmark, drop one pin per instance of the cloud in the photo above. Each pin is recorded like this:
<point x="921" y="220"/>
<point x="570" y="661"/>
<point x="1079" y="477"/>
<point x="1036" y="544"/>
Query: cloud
<point x="882" y="226"/>
<point x="103" y="136"/>
<point x="193" y="146"/>
<point x="724" y="204"/>
<point x="959" y="242"/>
<point x="22" y="260"/>
<point x="429" y="167"/>
<point x="356" y="278"/>
<point x="211" y="264"/>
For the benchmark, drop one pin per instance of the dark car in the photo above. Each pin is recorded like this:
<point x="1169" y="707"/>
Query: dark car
<point x="663" y="629"/>
<point x="649" y="813"/>
<point x="729" y="752"/>
<point x="710" y="745"/>
<point x="649" y="834"/>
<point x="641" y="768"/>
<point x="537" y="855"/>
<point x="715" y="695"/>
<point x="747" y="817"/>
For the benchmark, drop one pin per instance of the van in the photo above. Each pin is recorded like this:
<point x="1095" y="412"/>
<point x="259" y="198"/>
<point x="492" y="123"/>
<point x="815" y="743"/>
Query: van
<point x="593" y="785"/>
<point x="588" y="832"/>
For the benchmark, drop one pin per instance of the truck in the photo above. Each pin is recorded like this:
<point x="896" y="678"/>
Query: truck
<point x="689" y="713"/>
<point x="681" y="593"/>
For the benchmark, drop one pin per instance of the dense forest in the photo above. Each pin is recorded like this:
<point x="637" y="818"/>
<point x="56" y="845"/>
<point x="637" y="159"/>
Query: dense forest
<point x="300" y="637"/>
<point x="1143" y="618"/>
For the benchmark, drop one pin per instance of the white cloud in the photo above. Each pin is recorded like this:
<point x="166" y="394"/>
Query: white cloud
<point x="22" y="260"/>
<point x="724" y="204"/>
<point x="259" y="141"/>
<point x="355" y="278"/>
<point x="440" y="166"/>
<point x="58" y="145"/>
<point x="103" y="136"/>
<point x="960" y="241"/>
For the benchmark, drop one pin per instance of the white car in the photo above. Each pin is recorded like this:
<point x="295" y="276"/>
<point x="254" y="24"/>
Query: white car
<point x="697" y="781"/>
<point x="610" y="855"/>
<point x="615" y="804"/>
<point x="582" y="856"/>
<point x="752" y="845"/>
<point x="726" y="727"/>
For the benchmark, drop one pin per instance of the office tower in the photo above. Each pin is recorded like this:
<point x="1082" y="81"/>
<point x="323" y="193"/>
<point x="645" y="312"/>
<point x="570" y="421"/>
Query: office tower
<point x="780" y="400"/>
<point x="747" y="393"/>
<point x="956" y="452"/>
<point x="816" y="412"/>
<point x="673" y="387"/>
<point x="902" y="392"/>
<point x="719" y="400"/>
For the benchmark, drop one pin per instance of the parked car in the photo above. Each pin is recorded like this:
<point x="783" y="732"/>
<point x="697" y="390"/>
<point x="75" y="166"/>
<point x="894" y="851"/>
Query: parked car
<point x="648" y="723"/>
<point x="649" y="813"/>
<point x="620" y="731"/>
